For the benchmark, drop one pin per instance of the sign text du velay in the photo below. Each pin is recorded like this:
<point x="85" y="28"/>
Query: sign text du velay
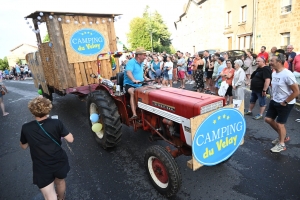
<point x="87" y="42"/>
<point x="219" y="136"/>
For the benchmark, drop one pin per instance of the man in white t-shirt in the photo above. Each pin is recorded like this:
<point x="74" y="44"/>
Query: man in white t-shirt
<point x="284" y="91"/>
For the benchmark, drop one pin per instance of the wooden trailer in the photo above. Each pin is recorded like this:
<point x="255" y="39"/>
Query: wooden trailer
<point x="68" y="63"/>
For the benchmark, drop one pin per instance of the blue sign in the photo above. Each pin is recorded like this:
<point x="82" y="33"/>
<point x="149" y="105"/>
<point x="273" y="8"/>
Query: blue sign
<point x="219" y="136"/>
<point x="87" y="42"/>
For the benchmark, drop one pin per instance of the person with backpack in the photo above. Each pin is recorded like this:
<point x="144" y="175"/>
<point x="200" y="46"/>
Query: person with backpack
<point x="49" y="161"/>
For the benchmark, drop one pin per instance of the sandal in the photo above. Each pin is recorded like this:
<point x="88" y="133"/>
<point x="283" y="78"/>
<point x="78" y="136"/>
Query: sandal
<point x="133" y="117"/>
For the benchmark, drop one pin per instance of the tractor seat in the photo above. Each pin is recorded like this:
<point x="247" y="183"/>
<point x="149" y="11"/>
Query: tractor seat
<point x="120" y="80"/>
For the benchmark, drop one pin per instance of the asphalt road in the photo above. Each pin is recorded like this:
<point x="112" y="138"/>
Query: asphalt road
<point x="252" y="173"/>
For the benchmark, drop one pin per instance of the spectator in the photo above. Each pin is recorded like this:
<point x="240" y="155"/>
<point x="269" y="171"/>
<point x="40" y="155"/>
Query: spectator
<point x="208" y="70"/>
<point x="198" y="67"/>
<point x="155" y="71"/>
<point x="260" y="81"/>
<point x="216" y="67"/>
<point x="272" y="52"/>
<point x="238" y="81"/>
<point x="227" y="75"/>
<point x="296" y="68"/>
<point x="290" y="56"/>
<point x="181" y="66"/>
<point x="2" y="87"/>
<point x="263" y="54"/>
<point x="168" y="72"/>
<point x="175" y="77"/>
<point x="248" y="63"/>
<point x="188" y="73"/>
<point x="284" y="92"/>
<point x="218" y="79"/>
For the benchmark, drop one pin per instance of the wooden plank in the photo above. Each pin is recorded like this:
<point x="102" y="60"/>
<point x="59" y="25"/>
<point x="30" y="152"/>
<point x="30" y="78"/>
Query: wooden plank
<point x="90" y="71"/>
<point x="87" y="71"/>
<point x="83" y="74"/>
<point x="71" y="28"/>
<point x="56" y="39"/>
<point x="195" y="122"/>
<point x="79" y="81"/>
<point x="32" y="68"/>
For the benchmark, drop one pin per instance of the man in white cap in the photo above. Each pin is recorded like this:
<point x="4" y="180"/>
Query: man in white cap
<point x="133" y="75"/>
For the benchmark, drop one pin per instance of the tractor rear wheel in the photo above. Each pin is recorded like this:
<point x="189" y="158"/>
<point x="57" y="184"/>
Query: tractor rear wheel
<point x="162" y="170"/>
<point x="100" y="102"/>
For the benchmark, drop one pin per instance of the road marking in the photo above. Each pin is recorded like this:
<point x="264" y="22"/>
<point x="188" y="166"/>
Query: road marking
<point x="23" y="82"/>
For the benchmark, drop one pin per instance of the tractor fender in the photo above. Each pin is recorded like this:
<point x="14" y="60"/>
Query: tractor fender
<point x="121" y="106"/>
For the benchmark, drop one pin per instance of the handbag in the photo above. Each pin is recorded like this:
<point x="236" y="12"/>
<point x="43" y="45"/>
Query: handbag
<point x="2" y="90"/>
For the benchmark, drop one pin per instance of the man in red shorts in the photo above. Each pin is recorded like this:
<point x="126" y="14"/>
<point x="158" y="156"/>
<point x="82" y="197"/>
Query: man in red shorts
<point x="181" y="66"/>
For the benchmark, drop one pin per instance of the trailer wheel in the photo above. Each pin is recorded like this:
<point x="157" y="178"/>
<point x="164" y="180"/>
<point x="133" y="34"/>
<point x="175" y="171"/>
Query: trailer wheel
<point x="162" y="170"/>
<point x="50" y="97"/>
<point x="102" y="103"/>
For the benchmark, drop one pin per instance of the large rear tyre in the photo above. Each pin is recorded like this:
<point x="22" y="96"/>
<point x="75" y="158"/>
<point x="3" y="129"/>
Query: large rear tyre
<point x="100" y="102"/>
<point x="162" y="170"/>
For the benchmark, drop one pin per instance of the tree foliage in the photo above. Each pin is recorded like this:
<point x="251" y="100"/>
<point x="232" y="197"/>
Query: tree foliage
<point x="4" y="63"/>
<point x="141" y="29"/>
<point x="46" y="38"/>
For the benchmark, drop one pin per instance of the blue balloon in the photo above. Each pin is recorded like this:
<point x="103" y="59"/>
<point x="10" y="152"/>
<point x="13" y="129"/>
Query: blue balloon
<point x="94" y="117"/>
<point x="158" y="73"/>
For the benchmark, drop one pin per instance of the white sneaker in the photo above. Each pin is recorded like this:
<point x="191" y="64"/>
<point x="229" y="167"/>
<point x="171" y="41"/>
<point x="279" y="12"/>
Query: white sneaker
<point x="192" y="82"/>
<point x="277" y="148"/>
<point x="169" y="85"/>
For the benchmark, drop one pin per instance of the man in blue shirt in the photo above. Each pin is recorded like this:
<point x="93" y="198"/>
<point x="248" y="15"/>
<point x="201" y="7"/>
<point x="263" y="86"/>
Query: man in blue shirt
<point x="133" y="75"/>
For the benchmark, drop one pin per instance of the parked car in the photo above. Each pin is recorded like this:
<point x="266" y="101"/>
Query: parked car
<point x="211" y="51"/>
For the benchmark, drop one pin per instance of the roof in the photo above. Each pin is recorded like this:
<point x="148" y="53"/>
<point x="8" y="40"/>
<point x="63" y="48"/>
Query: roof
<point x="68" y="13"/>
<point x="196" y="2"/>
<point x="22" y="45"/>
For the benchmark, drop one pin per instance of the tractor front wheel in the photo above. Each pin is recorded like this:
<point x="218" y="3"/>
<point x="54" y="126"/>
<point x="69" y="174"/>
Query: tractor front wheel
<point x="162" y="170"/>
<point x="101" y="103"/>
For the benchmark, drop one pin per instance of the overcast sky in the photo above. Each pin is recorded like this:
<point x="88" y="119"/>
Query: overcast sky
<point x="14" y="30"/>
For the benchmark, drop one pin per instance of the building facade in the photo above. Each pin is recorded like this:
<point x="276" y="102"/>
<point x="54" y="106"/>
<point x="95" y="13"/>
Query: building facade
<point x="19" y="53"/>
<point x="238" y="31"/>
<point x="277" y="24"/>
<point x="198" y="29"/>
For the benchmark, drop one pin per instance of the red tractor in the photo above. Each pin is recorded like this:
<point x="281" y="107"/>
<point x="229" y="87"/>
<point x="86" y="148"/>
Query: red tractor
<point x="163" y="111"/>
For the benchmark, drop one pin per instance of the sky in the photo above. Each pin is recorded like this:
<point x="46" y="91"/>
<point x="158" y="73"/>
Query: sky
<point x="14" y="30"/>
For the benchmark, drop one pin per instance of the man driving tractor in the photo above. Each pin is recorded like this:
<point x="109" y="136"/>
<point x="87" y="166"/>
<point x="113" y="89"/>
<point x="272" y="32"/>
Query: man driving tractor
<point x="133" y="75"/>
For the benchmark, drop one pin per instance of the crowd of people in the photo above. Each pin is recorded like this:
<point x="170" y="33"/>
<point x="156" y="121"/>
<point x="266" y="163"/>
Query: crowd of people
<point x="18" y="72"/>
<point x="276" y="73"/>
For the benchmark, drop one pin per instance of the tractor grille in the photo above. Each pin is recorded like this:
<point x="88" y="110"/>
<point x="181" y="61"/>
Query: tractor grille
<point x="211" y="107"/>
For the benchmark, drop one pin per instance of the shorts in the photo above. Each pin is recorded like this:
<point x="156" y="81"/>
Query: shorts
<point x="168" y="76"/>
<point x="42" y="180"/>
<point x="209" y="74"/>
<point x="181" y="74"/>
<point x="127" y="87"/>
<point x="261" y="99"/>
<point x="229" y="91"/>
<point x="281" y="112"/>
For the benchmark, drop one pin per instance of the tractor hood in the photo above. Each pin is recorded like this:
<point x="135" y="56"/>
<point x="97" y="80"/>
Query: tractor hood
<point x="181" y="102"/>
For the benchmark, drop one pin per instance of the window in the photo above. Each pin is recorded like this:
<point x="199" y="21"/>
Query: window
<point x="286" y="6"/>
<point x="245" y="42"/>
<point x="285" y="40"/>
<point x="243" y="15"/>
<point x="228" y="19"/>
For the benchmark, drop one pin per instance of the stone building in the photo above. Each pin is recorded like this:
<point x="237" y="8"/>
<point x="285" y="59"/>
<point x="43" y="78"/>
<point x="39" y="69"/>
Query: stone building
<point x="277" y="24"/>
<point x="19" y="53"/>
<point x="201" y="26"/>
<point x="239" y="24"/>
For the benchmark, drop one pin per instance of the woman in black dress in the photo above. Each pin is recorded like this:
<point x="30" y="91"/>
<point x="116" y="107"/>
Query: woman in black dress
<point x="49" y="161"/>
<point x="198" y="72"/>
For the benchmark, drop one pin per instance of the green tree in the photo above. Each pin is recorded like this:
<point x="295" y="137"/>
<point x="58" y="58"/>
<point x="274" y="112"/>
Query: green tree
<point x="142" y="28"/>
<point x="46" y="38"/>
<point x="4" y="63"/>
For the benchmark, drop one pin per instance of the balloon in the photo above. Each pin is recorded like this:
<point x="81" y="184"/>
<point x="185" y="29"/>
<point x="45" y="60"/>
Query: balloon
<point x="158" y="73"/>
<point x="40" y="92"/>
<point x="97" y="127"/>
<point x="94" y="117"/>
